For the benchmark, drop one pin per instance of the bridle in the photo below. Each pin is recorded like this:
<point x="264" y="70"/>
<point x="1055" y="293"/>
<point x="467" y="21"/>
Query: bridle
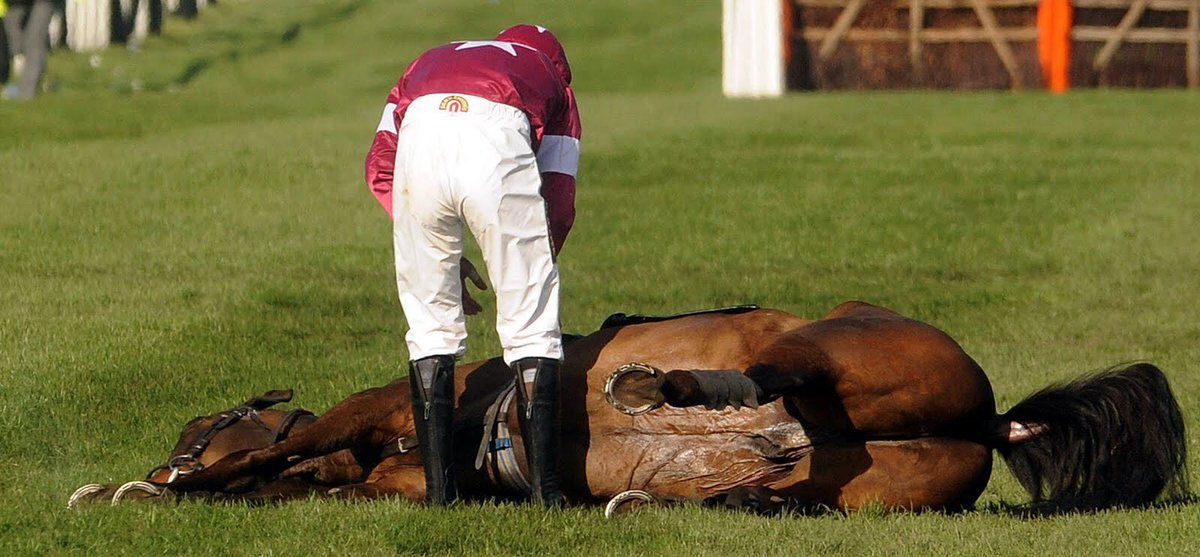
<point x="188" y="462"/>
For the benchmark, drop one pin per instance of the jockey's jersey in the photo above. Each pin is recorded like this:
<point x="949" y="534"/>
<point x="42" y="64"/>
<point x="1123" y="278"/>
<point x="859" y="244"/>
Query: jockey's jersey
<point x="507" y="73"/>
<point x="503" y="72"/>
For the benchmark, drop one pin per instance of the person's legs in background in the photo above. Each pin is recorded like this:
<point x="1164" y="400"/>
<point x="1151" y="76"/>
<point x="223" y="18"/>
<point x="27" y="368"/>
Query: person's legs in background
<point x="36" y="47"/>
<point x="14" y="20"/>
<point x="28" y="27"/>
<point x="5" y="56"/>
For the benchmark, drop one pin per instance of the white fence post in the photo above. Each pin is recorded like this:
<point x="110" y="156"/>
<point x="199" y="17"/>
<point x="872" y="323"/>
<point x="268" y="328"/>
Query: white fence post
<point x="753" y="56"/>
<point x="141" y="21"/>
<point x="89" y="24"/>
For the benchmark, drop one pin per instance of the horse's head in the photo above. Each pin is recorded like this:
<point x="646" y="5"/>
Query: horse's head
<point x="207" y="439"/>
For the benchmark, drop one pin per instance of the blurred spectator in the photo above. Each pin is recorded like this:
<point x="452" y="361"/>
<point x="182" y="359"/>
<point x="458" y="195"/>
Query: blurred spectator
<point x="5" y="57"/>
<point x="27" y="24"/>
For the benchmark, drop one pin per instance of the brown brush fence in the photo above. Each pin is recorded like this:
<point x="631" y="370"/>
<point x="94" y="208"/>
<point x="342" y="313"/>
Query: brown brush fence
<point x="988" y="44"/>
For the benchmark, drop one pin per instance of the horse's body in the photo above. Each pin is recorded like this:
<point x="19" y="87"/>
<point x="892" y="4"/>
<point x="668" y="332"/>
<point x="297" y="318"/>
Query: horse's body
<point x="863" y="406"/>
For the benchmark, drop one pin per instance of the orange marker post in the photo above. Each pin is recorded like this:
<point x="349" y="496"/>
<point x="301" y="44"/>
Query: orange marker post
<point x="1054" y="20"/>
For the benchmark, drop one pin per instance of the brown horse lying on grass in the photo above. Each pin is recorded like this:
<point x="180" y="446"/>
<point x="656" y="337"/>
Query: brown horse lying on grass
<point x="759" y="409"/>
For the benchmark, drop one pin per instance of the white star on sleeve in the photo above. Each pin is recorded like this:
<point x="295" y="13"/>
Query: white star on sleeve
<point x="506" y="47"/>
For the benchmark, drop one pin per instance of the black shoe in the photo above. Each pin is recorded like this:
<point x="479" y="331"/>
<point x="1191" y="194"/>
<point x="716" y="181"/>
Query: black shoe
<point x="432" y="381"/>
<point x="537" y="408"/>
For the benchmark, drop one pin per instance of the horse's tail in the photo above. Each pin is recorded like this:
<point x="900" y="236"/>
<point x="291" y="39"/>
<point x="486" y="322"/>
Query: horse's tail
<point x="1115" y="438"/>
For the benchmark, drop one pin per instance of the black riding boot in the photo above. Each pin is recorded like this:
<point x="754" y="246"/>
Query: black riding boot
<point x="537" y="405"/>
<point x="432" y="381"/>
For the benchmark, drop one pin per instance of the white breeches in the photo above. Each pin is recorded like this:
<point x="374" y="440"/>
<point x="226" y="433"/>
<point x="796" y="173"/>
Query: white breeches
<point x="472" y="166"/>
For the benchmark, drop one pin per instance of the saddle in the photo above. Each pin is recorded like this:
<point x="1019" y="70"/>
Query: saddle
<point x="496" y="446"/>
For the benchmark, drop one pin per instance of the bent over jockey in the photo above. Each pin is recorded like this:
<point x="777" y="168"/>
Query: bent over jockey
<point x="482" y="133"/>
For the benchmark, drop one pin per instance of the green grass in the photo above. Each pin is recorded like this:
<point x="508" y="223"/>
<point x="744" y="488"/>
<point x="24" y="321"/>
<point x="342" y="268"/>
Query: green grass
<point x="185" y="225"/>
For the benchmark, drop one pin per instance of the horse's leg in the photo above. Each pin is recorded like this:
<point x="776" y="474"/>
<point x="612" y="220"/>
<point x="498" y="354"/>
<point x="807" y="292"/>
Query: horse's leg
<point x="407" y="486"/>
<point x="364" y="420"/>
<point x="869" y="371"/>
<point x="795" y="363"/>
<point x="338" y="468"/>
<point x="405" y="480"/>
<point x="792" y="364"/>
<point x="276" y="491"/>
<point x="92" y="493"/>
<point x="934" y="473"/>
<point x="397" y="476"/>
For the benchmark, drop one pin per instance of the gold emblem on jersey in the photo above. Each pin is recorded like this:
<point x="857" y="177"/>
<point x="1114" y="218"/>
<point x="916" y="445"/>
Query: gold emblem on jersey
<point x="453" y="103"/>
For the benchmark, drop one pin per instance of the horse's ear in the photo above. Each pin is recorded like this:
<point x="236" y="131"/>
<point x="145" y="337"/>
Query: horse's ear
<point x="269" y="399"/>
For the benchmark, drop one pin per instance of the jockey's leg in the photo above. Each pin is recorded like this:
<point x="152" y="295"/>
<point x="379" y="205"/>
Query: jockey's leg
<point x="428" y="246"/>
<point x="537" y="411"/>
<point x="432" y="382"/>
<point x="504" y="209"/>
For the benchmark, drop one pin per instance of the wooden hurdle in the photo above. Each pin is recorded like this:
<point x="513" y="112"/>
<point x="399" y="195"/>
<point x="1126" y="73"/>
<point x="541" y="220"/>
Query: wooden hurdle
<point x="1029" y="42"/>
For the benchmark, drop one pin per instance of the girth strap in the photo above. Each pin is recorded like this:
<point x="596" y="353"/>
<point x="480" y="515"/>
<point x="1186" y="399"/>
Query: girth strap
<point x="489" y="422"/>
<point x="496" y="445"/>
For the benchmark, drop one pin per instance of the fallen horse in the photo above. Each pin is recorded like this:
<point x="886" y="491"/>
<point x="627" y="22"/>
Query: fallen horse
<point x="746" y="407"/>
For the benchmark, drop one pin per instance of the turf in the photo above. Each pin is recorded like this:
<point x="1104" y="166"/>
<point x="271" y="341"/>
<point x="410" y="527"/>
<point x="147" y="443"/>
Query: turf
<point x="184" y="225"/>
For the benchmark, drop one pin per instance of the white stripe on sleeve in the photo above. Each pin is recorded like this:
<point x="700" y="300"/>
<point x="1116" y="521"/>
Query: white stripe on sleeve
<point x="387" y="122"/>
<point x="558" y="153"/>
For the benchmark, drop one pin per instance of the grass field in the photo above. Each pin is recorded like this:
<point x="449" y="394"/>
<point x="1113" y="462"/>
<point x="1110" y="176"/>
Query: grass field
<point x="185" y="225"/>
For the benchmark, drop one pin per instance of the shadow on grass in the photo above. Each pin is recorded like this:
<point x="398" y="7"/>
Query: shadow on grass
<point x="1048" y="509"/>
<point x="1022" y="511"/>
<point x="326" y="18"/>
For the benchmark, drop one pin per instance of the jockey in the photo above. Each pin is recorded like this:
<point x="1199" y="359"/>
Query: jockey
<point x="486" y="134"/>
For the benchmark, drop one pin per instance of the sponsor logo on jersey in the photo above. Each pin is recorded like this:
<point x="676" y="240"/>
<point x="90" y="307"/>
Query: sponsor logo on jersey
<point x="453" y="103"/>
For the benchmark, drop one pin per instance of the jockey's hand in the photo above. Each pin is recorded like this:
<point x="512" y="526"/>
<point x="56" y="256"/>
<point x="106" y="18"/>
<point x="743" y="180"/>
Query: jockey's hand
<point x="466" y="270"/>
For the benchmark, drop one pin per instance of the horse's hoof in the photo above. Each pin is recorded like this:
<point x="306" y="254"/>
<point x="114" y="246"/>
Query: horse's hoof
<point x="137" y="490"/>
<point x="83" y="491"/>
<point x="634" y="389"/>
<point x="627" y="501"/>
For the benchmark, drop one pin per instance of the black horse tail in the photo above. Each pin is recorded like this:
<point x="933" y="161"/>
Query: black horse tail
<point x="1115" y="438"/>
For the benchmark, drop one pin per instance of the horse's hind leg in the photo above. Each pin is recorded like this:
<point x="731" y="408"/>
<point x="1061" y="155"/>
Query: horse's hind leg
<point x="932" y="473"/>
<point x="794" y="364"/>
<point x="790" y="365"/>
